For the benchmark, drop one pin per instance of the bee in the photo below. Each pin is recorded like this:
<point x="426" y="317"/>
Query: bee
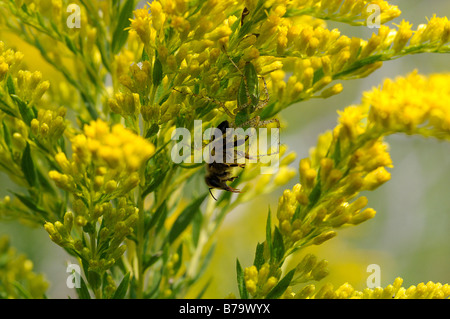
<point x="250" y="103"/>
<point x="219" y="173"/>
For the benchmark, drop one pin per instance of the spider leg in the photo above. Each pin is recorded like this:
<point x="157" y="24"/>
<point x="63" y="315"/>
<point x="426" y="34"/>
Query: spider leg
<point x="256" y="122"/>
<point x="219" y="103"/>
<point x="247" y="93"/>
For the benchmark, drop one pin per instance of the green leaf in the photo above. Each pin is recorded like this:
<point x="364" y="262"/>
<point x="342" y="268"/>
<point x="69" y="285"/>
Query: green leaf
<point x="281" y="287"/>
<point x="83" y="292"/>
<point x="205" y="261"/>
<point x="31" y="204"/>
<point x="150" y="260"/>
<point x="5" y="107"/>
<point x="7" y="136"/>
<point x="337" y="152"/>
<point x="315" y="194"/>
<point x="25" y="111"/>
<point x="153" y="130"/>
<point x="359" y="64"/>
<point x="298" y="214"/>
<point x="144" y="56"/>
<point x="203" y="290"/>
<point x="121" y="290"/>
<point x="10" y="85"/>
<point x="185" y="218"/>
<point x="318" y="74"/>
<point x="278" y="245"/>
<point x="43" y="181"/>
<point x="24" y="8"/>
<point x="196" y="227"/>
<point x="177" y="265"/>
<point x="160" y="211"/>
<point x="157" y="178"/>
<point x="21" y="290"/>
<point x="269" y="232"/>
<point x="157" y="72"/>
<point x="120" y="35"/>
<point x="241" y="281"/>
<point x="259" y="256"/>
<point x="70" y="44"/>
<point x="28" y="166"/>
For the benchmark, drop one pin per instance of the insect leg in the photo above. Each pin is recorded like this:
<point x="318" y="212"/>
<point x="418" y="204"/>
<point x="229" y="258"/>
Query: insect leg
<point x="219" y="103"/>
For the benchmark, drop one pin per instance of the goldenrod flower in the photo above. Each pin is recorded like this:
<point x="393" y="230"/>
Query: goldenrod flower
<point x="130" y="76"/>
<point x="429" y="290"/>
<point x="117" y="149"/>
<point x="18" y="270"/>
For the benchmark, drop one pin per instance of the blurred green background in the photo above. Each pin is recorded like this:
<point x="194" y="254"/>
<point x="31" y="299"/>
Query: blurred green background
<point x="409" y="237"/>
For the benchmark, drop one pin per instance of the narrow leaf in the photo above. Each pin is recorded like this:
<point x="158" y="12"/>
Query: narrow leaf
<point x="203" y="290"/>
<point x="7" y="136"/>
<point x="28" y="166"/>
<point x="269" y="233"/>
<point x="158" y="178"/>
<point x="157" y="72"/>
<point x="83" y="292"/>
<point x="120" y="35"/>
<point x="153" y="130"/>
<point x="259" y="256"/>
<point x="241" y="281"/>
<point x="155" y="217"/>
<point x="315" y="194"/>
<point x="278" y="245"/>
<point x="25" y="111"/>
<point x="144" y="56"/>
<point x="281" y="287"/>
<point x="121" y="290"/>
<point x="196" y="227"/>
<point x="185" y="218"/>
<point x="10" y="85"/>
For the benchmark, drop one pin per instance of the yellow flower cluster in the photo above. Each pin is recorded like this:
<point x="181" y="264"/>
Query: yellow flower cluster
<point x="355" y="12"/>
<point x="25" y="119"/>
<point x="430" y="290"/>
<point x="105" y="160"/>
<point x="346" y="161"/>
<point x="287" y="41"/>
<point x="354" y="157"/>
<point x="415" y="104"/>
<point x="9" y="61"/>
<point x="27" y="87"/>
<point x="260" y="282"/>
<point x="330" y="56"/>
<point x="106" y="245"/>
<point x="17" y="276"/>
<point x="49" y="125"/>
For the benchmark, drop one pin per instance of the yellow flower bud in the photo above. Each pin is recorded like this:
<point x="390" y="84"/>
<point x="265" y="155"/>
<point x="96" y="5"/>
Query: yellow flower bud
<point x="270" y="283"/>
<point x="362" y="216"/>
<point x="324" y="237"/>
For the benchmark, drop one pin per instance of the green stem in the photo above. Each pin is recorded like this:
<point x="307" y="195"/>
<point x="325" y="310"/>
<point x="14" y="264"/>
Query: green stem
<point x="140" y="243"/>
<point x="141" y="227"/>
